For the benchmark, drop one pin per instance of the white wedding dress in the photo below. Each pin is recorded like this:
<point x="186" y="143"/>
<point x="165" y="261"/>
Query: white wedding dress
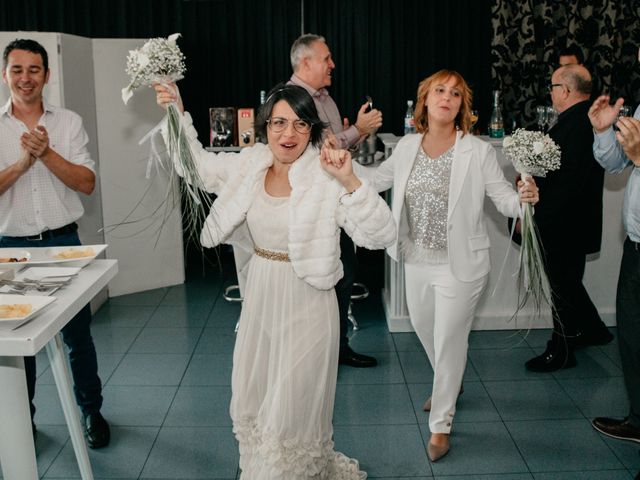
<point x="285" y="365"/>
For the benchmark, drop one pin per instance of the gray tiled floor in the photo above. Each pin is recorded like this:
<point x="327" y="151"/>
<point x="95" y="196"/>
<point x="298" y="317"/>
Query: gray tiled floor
<point x="166" y="356"/>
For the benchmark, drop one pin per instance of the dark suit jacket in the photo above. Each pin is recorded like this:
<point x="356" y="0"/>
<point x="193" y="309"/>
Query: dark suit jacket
<point x="569" y="214"/>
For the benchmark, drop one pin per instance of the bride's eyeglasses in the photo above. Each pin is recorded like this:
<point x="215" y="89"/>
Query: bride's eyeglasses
<point x="279" y="124"/>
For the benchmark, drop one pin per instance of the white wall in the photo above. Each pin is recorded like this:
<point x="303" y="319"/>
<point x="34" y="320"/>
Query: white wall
<point x="150" y="250"/>
<point x="78" y="94"/>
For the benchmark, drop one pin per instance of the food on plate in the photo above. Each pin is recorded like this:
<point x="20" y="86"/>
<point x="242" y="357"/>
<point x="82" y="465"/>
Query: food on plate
<point x="75" y="253"/>
<point x="12" y="259"/>
<point x="15" y="310"/>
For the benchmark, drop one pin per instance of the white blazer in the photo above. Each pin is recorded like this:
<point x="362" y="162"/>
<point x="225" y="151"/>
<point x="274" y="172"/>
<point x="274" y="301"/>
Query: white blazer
<point x="474" y="173"/>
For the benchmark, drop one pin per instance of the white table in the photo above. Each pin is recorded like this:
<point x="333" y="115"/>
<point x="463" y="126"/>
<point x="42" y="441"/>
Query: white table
<point x="17" y="451"/>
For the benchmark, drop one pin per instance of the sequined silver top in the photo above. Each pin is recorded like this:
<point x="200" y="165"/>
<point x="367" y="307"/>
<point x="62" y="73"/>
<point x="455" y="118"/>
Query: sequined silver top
<point x="427" y="200"/>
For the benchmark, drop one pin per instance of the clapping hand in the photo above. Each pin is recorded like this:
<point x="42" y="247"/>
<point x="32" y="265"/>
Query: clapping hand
<point x="602" y="115"/>
<point x="628" y="136"/>
<point x="36" y="141"/>
<point x="368" y="122"/>
<point x="25" y="161"/>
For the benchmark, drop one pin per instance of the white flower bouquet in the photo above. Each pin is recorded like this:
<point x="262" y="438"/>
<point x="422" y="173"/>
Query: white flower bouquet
<point x="532" y="153"/>
<point x="160" y="60"/>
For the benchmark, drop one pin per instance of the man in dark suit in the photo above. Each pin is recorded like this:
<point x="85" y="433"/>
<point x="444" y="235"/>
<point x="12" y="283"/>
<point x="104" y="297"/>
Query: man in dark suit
<point x="569" y="219"/>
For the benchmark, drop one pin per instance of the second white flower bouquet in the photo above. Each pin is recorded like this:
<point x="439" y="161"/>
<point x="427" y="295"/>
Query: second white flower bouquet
<point x="532" y="153"/>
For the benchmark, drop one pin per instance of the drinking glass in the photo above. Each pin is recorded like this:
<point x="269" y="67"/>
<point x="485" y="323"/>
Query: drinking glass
<point x="552" y="117"/>
<point x="474" y="119"/>
<point x="625" y="111"/>
<point x="541" y="115"/>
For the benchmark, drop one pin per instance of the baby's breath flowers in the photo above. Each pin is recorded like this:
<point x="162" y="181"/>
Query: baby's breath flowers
<point x="158" y="60"/>
<point x="532" y="153"/>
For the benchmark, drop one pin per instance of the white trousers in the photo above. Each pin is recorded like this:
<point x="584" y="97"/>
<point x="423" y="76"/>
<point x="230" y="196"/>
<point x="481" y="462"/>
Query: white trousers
<point x="442" y="310"/>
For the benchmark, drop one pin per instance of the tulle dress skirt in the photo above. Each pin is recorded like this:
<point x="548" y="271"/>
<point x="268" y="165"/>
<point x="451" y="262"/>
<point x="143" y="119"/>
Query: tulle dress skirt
<point x="285" y="365"/>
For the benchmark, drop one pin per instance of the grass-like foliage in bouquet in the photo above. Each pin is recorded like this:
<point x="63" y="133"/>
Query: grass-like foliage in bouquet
<point x="160" y="60"/>
<point x="532" y="153"/>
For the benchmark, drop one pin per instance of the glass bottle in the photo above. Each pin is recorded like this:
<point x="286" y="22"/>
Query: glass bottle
<point x="263" y="98"/>
<point x="409" y="123"/>
<point x="496" y="124"/>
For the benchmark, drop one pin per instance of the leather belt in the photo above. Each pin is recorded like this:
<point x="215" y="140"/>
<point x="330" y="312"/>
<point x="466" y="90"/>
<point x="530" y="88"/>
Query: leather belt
<point x="47" y="234"/>
<point x="635" y="245"/>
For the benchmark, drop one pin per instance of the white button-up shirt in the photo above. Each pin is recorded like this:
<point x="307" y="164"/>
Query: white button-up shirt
<point x="39" y="201"/>
<point x="608" y="153"/>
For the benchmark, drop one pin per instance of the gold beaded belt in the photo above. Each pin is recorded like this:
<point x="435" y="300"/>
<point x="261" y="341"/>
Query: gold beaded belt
<point x="270" y="255"/>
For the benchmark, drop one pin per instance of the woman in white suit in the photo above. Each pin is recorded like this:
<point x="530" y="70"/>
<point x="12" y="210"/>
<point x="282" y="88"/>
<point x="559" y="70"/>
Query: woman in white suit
<point x="440" y="177"/>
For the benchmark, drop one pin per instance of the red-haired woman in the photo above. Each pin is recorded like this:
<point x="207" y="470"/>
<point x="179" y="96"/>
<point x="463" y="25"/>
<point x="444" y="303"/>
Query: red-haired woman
<point x="440" y="177"/>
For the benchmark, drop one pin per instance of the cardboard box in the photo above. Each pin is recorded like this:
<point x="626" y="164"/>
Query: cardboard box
<point x="223" y="129"/>
<point x="246" y="131"/>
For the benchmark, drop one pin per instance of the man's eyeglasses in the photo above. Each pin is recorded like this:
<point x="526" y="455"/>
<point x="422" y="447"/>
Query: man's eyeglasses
<point x="555" y="85"/>
<point x="279" y="124"/>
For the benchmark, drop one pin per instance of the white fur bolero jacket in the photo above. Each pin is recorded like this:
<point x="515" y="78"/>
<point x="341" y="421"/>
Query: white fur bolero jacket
<point x="318" y="206"/>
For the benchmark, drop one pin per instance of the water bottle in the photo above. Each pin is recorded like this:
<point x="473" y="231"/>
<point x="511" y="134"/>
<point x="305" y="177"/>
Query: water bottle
<point x="263" y="98"/>
<point x="496" y="125"/>
<point x="409" y="124"/>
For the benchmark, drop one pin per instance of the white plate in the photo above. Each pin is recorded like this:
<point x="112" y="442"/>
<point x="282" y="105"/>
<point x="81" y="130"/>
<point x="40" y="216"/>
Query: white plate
<point x="39" y="273"/>
<point x="48" y="255"/>
<point x="14" y="253"/>
<point x="37" y="302"/>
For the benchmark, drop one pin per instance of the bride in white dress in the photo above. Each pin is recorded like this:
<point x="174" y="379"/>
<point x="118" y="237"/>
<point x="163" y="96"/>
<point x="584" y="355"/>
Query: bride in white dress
<point x="285" y="203"/>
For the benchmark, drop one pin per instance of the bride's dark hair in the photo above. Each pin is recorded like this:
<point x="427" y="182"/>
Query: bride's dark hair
<point x="300" y="102"/>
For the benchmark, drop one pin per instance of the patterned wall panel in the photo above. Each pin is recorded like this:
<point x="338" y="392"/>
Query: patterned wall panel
<point x="527" y="36"/>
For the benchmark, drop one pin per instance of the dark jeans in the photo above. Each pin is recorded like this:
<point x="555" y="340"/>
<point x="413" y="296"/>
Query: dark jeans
<point x="628" y="320"/>
<point x="345" y="285"/>
<point x="76" y="335"/>
<point x="574" y="310"/>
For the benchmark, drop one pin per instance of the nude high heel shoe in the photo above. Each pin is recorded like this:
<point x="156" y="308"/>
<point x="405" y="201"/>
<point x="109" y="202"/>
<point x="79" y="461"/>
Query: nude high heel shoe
<point x="436" y="452"/>
<point x="427" y="404"/>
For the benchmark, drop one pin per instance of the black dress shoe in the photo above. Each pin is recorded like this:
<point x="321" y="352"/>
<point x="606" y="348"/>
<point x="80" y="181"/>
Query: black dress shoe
<point x="353" y="359"/>
<point x="551" y="360"/>
<point x="96" y="429"/>
<point x="620" y="429"/>
<point x="588" y="340"/>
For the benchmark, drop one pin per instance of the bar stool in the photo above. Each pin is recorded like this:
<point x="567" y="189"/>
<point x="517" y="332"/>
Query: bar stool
<point x="233" y="293"/>
<point x="364" y="293"/>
